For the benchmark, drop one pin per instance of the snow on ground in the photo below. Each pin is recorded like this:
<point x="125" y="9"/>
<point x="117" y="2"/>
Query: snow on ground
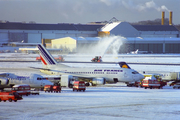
<point x="107" y="103"/>
<point x="18" y="56"/>
<point x="126" y="58"/>
<point x="143" y="58"/>
<point x="120" y="102"/>
<point x="25" y="66"/>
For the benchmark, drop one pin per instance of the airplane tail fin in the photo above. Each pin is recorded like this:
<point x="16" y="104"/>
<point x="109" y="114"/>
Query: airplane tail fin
<point x="124" y="65"/>
<point x="136" y="52"/>
<point x="45" y="56"/>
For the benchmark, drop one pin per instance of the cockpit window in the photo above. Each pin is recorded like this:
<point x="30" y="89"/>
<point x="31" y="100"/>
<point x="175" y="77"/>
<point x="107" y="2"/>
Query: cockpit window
<point x="135" y="72"/>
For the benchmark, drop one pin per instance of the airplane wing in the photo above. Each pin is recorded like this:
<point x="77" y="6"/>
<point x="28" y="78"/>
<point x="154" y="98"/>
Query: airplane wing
<point x="39" y="68"/>
<point x="3" y="74"/>
<point x="73" y="74"/>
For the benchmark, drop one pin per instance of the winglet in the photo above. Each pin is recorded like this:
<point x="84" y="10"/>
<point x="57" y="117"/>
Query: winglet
<point x="45" y="56"/>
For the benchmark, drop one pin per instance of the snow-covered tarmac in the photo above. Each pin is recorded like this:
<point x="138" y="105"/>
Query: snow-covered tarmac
<point x="100" y="103"/>
<point x="107" y="103"/>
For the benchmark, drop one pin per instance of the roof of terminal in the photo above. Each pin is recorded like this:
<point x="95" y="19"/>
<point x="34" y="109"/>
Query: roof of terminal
<point x="79" y="27"/>
<point x="155" y="28"/>
<point x="62" y="26"/>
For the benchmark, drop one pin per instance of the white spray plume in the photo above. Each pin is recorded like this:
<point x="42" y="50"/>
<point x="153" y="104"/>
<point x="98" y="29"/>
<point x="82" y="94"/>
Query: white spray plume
<point x="145" y="6"/>
<point x="109" y="44"/>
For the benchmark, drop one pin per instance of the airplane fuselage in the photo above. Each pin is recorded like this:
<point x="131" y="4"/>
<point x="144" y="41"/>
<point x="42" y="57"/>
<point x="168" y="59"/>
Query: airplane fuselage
<point x="33" y="80"/>
<point x="110" y="74"/>
<point x="122" y="74"/>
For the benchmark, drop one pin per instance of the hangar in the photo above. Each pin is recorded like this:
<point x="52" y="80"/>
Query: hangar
<point x="155" y="38"/>
<point x="66" y="43"/>
<point x="34" y="33"/>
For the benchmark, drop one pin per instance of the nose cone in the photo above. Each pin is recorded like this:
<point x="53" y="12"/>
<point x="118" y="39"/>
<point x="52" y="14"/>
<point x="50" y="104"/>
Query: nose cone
<point x="141" y="76"/>
<point x="46" y="82"/>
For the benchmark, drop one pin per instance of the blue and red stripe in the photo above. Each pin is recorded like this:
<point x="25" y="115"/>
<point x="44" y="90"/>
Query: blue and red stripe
<point x="45" y="56"/>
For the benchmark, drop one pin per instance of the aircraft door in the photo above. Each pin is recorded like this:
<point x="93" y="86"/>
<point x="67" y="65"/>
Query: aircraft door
<point x="125" y="74"/>
<point x="38" y="80"/>
<point x="31" y="79"/>
<point x="42" y="82"/>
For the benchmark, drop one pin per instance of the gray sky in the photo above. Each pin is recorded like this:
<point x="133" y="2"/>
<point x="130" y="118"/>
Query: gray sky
<point x="84" y="11"/>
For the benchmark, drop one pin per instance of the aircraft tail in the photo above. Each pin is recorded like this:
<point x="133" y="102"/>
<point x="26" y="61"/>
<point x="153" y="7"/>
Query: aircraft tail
<point x="45" y="56"/>
<point x="124" y="65"/>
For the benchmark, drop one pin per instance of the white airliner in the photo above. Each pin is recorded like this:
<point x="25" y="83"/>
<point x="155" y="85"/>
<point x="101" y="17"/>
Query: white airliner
<point x="34" y="80"/>
<point x="98" y="75"/>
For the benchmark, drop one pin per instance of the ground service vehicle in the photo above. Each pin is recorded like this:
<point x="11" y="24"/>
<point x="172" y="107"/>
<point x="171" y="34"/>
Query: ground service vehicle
<point x="59" y="58"/>
<point x="51" y="88"/>
<point x="152" y="82"/>
<point x="79" y="85"/>
<point x="10" y="96"/>
<point x="97" y="59"/>
<point x="134" y="84"/>
<point x="22" y="89"/>
<point x="48" y="88"/>
<point x="56" y="88"/>
<point x="177" y="85"/>
<point x="34" y="92"/>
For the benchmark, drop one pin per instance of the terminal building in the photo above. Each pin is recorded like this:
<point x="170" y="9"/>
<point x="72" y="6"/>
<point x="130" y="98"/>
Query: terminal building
<point x="155" y="38"/>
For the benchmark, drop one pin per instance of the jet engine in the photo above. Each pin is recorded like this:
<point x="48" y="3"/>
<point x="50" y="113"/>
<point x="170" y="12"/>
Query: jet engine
<point x="4" y="81"/>
<point x="98" y="81"/>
